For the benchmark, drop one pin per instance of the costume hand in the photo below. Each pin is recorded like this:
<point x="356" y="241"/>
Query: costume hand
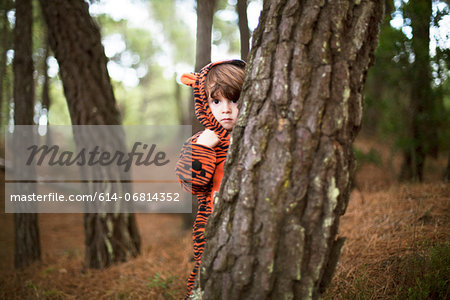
<point x="208" y="138"/>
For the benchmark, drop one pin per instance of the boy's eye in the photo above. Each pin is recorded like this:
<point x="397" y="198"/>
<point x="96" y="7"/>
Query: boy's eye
<point x="215" y="101"/>
<point x="235" y="101"/>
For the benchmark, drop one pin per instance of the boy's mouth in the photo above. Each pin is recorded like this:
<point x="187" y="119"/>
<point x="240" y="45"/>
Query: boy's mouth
<point x="227" y="120"/>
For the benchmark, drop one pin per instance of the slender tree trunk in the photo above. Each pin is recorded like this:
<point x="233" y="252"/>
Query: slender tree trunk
<point x="46" y="90"/>
<point x="45" y="86"/>
<point x="4" y="43"/>
<point x="26" y="230"/>
<point x="243" y="28"/>
<point x="273" y="232"/>
<point x="423" y="134"/>
<point x="205" y="13"/>
<point x="76" y="42"/>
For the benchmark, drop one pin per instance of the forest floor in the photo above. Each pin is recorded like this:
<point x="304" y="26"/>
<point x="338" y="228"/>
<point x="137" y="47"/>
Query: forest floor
<point x="397" y="245"/>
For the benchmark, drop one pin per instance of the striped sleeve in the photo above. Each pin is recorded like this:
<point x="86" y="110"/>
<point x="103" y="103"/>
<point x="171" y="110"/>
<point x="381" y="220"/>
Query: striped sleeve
<point x="196" y="166"/>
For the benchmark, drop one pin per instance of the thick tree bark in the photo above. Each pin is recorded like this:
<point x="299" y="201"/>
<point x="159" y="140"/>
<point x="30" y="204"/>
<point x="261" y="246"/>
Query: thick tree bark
<point x="76" y="42"/>
<point x="243" y="28"/>
<point x="422" y="132"/>
<point x="273" y="232"/>
<point x="26" y="230"/>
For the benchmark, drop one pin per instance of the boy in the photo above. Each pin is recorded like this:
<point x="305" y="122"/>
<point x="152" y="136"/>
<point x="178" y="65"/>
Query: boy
<point x="217" y="88"/>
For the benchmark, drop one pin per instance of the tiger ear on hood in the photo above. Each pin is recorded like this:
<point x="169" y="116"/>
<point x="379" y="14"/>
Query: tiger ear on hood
<point x="189" y="79"/>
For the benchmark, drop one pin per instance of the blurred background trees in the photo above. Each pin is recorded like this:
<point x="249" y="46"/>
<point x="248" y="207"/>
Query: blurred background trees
<point x="408" y="89"/>
<point x="146" y="42"/>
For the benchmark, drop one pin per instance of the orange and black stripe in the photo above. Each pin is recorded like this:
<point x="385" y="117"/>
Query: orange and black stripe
<point x="197" y="164"/>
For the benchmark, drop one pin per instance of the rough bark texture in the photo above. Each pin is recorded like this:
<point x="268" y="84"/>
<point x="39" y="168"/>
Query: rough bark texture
<point x="273" y="232"/>
<point x="243" y="28"/>
<point x="75" y="40"/>
<point x="26" y="231"/>
<point x="422" y="133"/>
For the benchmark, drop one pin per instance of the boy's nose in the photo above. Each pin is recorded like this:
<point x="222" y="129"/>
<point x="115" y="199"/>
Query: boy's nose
<point x="227" y="107"/>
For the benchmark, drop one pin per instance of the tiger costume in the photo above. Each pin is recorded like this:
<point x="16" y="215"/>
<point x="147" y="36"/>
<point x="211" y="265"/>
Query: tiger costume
<point x="200" y="168"/>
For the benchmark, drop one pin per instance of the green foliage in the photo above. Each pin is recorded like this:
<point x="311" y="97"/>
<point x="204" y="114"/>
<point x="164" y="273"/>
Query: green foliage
<point x="372" y="157"/>
<point x="47" y="271"/>
<point x="163" y="285"/>
<point x="152" y="101"/>
<point x="426" y="276"/>
<point x="36" y="292"/>
<point x="52" y="294"/>
<point x="59" y="112"/>
<point x="364" y="291"/>
<point x="388" y="89"/>
<point x="31" y="285"/>
<point x="139" y="42"/>
<point x="120" y="295"/>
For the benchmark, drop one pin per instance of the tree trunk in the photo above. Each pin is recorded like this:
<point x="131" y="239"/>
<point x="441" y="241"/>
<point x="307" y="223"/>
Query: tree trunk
<point x="205" y="13"/>
<point x="423" y="134"/>
<point x="45" y="85"/>
<point x="76" y="42"/>
<point x="46" y="90"/>
<point x="273" y="232"/>
<point x="243" y="28"/>
<point x="26" y="230"/>
<point x="4" y="43"/>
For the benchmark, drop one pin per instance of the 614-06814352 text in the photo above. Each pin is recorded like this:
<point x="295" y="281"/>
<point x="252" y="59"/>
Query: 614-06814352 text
<point x="103" y="197"/>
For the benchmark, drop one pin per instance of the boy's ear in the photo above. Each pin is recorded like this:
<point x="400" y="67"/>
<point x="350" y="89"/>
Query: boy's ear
<point x="189" y="78"/>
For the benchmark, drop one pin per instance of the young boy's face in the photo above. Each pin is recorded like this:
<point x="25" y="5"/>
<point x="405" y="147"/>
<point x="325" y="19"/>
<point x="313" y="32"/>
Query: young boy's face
<point x="224" y="110"/>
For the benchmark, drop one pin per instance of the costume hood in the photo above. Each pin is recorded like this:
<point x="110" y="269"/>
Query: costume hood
<point x="202" y="109"/>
